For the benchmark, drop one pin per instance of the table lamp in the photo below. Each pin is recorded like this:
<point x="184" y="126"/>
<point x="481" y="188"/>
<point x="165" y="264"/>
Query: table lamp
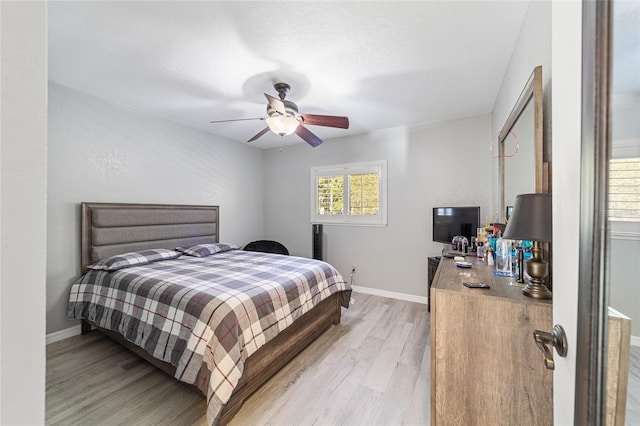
<point x="531" y="220"/>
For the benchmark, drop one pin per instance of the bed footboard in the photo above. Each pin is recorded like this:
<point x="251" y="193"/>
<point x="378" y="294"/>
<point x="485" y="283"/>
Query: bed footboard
<point x="273" y="356"/>
<point x="267" y="360"/>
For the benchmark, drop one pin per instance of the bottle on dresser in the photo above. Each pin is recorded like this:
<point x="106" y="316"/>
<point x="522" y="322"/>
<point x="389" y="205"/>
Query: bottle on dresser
<point x="503" y="255"/>
<point x="480" y="250"/>
<point x="489" y="255"/>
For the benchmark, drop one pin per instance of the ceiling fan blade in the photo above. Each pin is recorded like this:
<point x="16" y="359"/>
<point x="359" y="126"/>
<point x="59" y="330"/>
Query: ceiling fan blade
<point x="276" y="104"/>
<point x="260" y="133"/>
<point x="238" y="119"/>
<point x="326" y="120"/>
<point x="308" y="137"/>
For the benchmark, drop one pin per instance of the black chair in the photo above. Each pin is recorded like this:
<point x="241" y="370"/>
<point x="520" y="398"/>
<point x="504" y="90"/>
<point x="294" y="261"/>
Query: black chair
<point x="267" y="246"/>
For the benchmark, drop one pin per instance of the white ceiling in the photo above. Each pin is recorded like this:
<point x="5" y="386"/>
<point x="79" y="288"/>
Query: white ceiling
<point x="383" y="64"/>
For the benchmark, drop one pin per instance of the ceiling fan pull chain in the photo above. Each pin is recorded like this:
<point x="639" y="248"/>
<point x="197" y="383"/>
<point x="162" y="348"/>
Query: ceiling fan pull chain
<point x="281" y="142"/>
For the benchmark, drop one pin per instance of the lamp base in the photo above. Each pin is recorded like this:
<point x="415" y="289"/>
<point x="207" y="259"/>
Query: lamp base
<point x="537" y="291"/>
<point x="537" y="269"/>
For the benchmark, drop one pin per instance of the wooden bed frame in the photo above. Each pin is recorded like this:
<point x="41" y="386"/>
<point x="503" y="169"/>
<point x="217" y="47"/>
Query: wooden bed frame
<point x="112" y="228"/>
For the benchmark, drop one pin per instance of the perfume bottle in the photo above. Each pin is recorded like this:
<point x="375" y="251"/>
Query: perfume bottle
<point x="489" y="256"/>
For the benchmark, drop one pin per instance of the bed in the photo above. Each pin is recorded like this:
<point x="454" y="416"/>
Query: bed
<point x="226" y="380"/>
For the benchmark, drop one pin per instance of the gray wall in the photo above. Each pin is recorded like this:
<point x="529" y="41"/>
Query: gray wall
<point x="102" y="152"/>
<point x="23" y="173"/>
<point x="431" y="165"/>
<point x="532" y="48"/>
<point x="624" y="271"/>
<point x="624" y="291"/>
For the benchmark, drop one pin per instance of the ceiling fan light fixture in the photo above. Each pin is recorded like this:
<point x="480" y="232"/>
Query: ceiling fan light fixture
<point x="282" y="125"/>
<point x="283" y="118"/>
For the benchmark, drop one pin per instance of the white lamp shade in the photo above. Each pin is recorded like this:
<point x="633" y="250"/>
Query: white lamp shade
<point x="282" y="125"/>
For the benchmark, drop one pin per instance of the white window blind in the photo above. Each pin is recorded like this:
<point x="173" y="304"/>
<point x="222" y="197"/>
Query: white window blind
<point x="624" y="189"/>
<point x="330" y="191"/>
<point x="349" y="194"/>
<point x="364" y="194"/>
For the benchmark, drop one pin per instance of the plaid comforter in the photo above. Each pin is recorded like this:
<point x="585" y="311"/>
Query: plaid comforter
<point x="206" y="315"/>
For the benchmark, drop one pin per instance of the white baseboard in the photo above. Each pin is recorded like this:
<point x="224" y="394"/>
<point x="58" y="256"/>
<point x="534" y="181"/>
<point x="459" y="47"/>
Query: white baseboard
<point x="390" y="294"/>
<point x="76" y="330"/>
<point x="56" y="336"/>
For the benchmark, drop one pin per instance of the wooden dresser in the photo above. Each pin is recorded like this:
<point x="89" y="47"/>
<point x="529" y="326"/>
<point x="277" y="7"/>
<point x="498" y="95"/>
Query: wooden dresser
<point x="485" y="366"/>
<point x="432" y="268"/>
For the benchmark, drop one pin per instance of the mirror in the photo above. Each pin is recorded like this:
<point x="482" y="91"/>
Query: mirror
<point x="520" y="147"/>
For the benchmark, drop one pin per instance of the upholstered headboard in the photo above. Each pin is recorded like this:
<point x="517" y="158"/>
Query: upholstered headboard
<point x="112" y="228"/>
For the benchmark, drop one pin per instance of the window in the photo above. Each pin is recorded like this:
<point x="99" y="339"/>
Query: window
<point x="352" y="194"/>
<point x="624" y="189"/>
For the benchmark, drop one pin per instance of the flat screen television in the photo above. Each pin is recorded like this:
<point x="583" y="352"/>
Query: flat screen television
<point x="451" y="221"/>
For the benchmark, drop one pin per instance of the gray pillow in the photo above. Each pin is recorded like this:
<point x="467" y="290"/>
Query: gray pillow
<point x="134" y="258"/>
<point x="203" y="250"/>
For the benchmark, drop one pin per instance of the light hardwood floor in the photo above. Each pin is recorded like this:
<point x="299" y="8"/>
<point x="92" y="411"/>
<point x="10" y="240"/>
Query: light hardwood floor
<point x="373" y="368"/>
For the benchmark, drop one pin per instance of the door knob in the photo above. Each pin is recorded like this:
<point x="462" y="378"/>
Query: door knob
<point x="545" y="341"/>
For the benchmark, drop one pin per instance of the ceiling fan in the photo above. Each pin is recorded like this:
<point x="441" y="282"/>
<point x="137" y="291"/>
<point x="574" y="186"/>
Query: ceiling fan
<point x="284" y="119"/>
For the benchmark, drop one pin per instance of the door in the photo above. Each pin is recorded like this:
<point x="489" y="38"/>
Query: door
<point x="566" y="108"/>
<point x="584" y="118"/>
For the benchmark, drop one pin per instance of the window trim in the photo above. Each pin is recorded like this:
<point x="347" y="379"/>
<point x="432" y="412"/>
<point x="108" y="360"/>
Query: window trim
<point x="379" y="167"/>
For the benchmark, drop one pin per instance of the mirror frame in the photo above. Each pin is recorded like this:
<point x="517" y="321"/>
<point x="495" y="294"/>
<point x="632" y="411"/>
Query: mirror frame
<point x="532" y="90"/>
